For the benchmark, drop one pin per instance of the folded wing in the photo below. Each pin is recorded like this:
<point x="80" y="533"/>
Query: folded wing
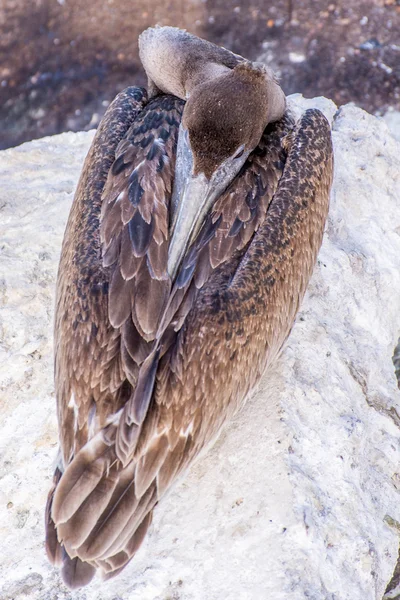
<point x="198" y="344"/>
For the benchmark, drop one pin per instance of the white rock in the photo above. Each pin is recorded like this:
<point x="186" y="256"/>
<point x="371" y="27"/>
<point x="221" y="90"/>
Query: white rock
<point x="297" y="104"/>
<point x="300" y="497"/>
<point x="392" y="120"/>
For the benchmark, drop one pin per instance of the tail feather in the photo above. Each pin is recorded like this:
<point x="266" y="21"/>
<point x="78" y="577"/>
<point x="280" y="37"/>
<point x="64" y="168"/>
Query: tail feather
<point x="113" y="521"/>
<point x="114" y="565"/>
<point x="81" y="478"/>
<point x="147" y="503"/>
<point x="138" y="537"/>
<point x="53" y="546"/>
<point x="111" y="574"/>
<point x="97" y="518"/>
<point x="76" y="573"/>
<point x="101" y="506"/>
<point x="75" y="531"/>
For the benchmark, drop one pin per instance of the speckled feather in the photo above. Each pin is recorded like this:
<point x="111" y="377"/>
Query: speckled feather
<point x="89" y="377"/>
<point x="224" y="319"/>
<point x="135" y="218"/>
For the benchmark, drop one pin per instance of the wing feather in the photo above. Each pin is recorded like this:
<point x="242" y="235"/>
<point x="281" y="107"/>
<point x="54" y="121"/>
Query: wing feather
<point x="135" y="217"/>
<point x="88" y="365"/>
<point x="173" y="411"/>
<point x="76" y="573"/>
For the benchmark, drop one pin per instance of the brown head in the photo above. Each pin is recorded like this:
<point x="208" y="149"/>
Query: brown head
<point x="226" y="116"/>
<point x="230" y="101"/>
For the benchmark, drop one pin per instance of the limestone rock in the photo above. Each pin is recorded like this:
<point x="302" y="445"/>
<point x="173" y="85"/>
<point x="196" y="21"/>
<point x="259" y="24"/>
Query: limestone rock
<point x="300" y="497"/>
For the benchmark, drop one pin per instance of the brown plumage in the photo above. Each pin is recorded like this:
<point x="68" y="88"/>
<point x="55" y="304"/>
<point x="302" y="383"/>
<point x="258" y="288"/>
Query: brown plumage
<point x="153" y="354"/>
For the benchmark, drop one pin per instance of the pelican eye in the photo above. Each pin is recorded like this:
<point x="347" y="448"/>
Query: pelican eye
<point x="240" y="152"/>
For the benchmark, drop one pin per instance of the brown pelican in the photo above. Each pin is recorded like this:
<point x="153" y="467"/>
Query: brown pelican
<point x="193" y="234"/>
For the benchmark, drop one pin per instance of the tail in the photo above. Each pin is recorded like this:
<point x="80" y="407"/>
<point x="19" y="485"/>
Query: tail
<point x="96" y="516"/>
<point x="99" y="510"/>
<point x="75" y="572"/>
<point x="101" y="507"/>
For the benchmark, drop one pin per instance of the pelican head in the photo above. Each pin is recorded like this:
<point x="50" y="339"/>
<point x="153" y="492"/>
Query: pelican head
<point x="229" y="102"/>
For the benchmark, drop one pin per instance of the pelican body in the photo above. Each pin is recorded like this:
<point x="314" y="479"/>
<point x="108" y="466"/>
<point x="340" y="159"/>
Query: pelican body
<point x="191" y="239"/>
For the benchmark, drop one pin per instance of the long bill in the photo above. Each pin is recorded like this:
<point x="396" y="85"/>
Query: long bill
<point x="193" y="197"/>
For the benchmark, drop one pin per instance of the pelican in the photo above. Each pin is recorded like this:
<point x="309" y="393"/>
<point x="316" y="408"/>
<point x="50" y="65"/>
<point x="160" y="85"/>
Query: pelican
<point x="193" y="233"/>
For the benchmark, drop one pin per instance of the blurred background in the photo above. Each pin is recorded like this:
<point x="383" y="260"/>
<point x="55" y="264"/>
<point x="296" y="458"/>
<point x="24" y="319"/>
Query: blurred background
<point x="63" y="61"/>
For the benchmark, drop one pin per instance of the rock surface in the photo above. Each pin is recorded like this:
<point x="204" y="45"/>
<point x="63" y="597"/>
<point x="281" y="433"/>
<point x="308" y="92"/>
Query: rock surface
<point x="300" y="497"/>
